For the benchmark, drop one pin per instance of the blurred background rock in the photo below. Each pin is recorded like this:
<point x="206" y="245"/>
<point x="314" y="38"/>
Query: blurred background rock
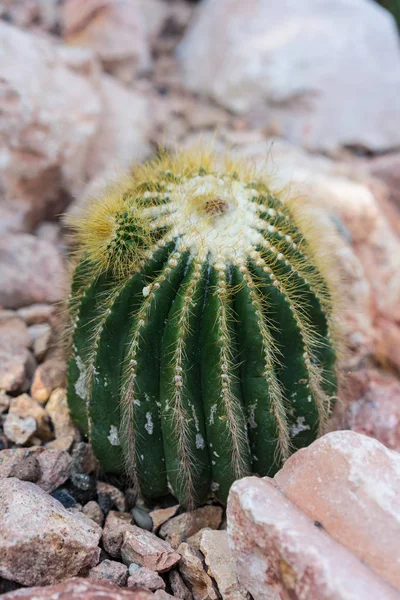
<point x="310" y="87"/>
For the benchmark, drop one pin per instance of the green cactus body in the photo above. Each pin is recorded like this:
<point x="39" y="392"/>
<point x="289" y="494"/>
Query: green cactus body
<point x="201" y="329"/>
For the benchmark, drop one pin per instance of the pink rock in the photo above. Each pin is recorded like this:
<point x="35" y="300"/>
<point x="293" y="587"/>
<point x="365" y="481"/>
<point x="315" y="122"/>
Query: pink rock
<point x="46" y="137"/>
<point x="117" y="523"/>
<point x="21" y="463"/>
<point x="55" y="468"/>
<point x="142" y="577"/>
<point x="40" y="541"/>
<point x="110" y="570"/>
<point x="350" y="483"/>
<point x="179" y="528"/>
<point x="93" y="511"/>
<point x="77" y="588"/>
<point x="280" y="553"/>
<point x="31" y="270"/>
<point x="146" y="549"/>
<point x="16" y="362"/>
<point x="114" y="30"/>
<point x="371" y="405"/>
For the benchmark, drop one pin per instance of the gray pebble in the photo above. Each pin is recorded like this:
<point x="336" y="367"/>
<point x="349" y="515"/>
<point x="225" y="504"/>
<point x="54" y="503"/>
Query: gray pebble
<point x="142" y="518"/>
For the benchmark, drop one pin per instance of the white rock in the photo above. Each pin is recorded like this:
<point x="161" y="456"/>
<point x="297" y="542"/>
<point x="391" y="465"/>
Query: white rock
<point x="319" y="88"/>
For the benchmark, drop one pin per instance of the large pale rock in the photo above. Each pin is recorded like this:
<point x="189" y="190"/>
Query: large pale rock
<point x="114" y="29"/>
<point x="40" y="541"/>
<point x="317" y="88"/>
<point x="281" y="553"/>
<point x="84" y="589"/>
<point x="46" y="136"/>
<point x="31" y="270"/>
<point x="350" y="483"/>
<point x="221" y="565"/>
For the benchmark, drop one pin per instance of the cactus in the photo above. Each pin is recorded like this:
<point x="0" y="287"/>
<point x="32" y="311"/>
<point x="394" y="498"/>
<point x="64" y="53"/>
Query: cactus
<point x="201" y="327"/>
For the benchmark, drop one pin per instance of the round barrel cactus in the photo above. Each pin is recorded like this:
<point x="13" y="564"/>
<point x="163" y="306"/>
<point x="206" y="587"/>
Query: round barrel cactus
<point x="200" y="327"/>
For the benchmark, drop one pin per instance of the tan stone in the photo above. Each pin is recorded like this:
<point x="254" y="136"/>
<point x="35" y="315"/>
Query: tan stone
<point x="161" y="515"/>
<point x="193" y="572"/>
<point x="188" y="523"/>
<point x="221" y="565"/>
<point x="25" y="406"/>
<point x="117" y="523"/>
<point x="48" y="376"/>
<point x="57" y="408"/>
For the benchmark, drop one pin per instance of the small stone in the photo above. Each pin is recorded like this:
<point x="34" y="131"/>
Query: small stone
<point x="147" y="550"/>
<point x="142" y="518"/>
<point x="192" y="570"/>
<point x="40" y="541"/>
<point x="57" y="408"/>
<point x="38" y="330"/>
<point x="25" y="406"/>
<point x="146" y="578"/>
<point x="55" y="469"/>
<point x="61" y="443"/>
<point x="189" y="523"/>
<point x="162" y="595"/>
<point x="350" y="484"/>
<point x="36" y="313"/>
<point x="19" y="463"/>
<point x="117" y="523"/>
<point x="79" y="588"/>
<point x="83" y="487"/>
<point x="110" y="570"/>
<point x="221" y="565"/>
<point x="16" y="362"/>
<point x="282" y="553"/>
<point x="93" y="511"/>
<point x="178" y="587"/>
<point x="161" y="515"/>
<point x="63" y="496"/>
<point x="48" y="376"/>
<point x="4" y="401"/>
<point x="117" y="497"/>
<point x="83" y="459"/>
<point x="41" y="344"/>
<point x="194" y="540"/>
<point x="19" y="429"/>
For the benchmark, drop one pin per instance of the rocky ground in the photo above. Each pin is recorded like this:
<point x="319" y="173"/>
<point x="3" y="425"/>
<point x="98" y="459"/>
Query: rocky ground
<point x="85" y="90"/>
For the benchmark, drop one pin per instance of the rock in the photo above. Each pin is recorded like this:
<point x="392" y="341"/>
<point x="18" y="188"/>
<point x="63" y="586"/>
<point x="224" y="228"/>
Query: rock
<point x="57" y="409"/>
<point x="116" y="525"/>
<point x="146" y="578"/>
<point x="84" y="589"/>
<point x="115" y="31"/>
<point x="31" y="270"/>
<point x="63" y="496"/>
<point x="334" y="481"/>
<point x="117" y="497"/>
<point x="123" y="137"/>
<point x="42" y="14"/>
<point x="161" y="515"/>
<point x="42" y="343"/>
<point x="24" y="406"/>
<point x="40" y="541"/>
<point x="55" y="469"/>
<point x="162" y="595"/>
<point x="83" y="487"/>
<point x="4" y="401"/>
<point x="282" y="553"/>
<point x="386" y="167"/>
<point x="286" y="64"/>
<point x="221" y="565"/>
<point x="48" y="376"/>
<point x="20" y="463"/>
<point x="178" y="587"/>
<point x="62" y="443"/>
<point x="36" y="314"/>
<point x="147" y="550"/>
<point x="16" y="362"/>
<point x="94" y="512"/>
<point x="37" y="331"/>
<point x="83" y="459"/>
<point x="371" y="406"/>
<point x="194" y="540"/>
<point x="19" y="429"/>
<point x="142" y="518"/>
<point x="179" y="528"/>
<point x="192" y="570"/>
<point x="110" y="570"/>
<point x="46" y="144"/>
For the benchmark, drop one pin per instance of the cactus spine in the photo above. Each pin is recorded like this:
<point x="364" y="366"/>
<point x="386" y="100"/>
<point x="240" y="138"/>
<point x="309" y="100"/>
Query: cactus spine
<point x="201" y="328"/>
